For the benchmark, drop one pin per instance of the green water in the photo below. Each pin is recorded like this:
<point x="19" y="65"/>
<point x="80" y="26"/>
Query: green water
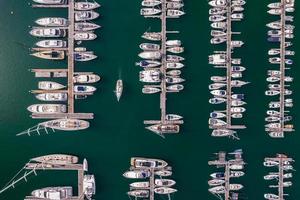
<point x="117" y="132"/>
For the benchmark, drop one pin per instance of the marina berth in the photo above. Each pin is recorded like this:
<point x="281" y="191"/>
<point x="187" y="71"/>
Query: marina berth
<point x="85" y="15"/>
<point x="52" y="43"/>
<point x="47" y="108"/>
<point x="84" y="6"/>
<point x="50" y="55"/>
<point x="48" y="32"/>
<point x="66" y="124"/>
<point x="52" y="21"/>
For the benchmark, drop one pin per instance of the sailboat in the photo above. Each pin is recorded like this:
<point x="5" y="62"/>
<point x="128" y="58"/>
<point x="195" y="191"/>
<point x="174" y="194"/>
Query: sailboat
<point x="119" y="89"/>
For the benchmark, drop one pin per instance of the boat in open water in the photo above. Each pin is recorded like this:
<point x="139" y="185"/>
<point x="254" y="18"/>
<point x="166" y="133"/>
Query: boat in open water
<point x="119" y="89"/>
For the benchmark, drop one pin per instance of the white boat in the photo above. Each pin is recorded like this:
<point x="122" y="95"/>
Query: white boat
<point x="66" y="124"/>
<point x="217" y="3"/>
<point x="149" y="11"/>
<point x="218" y="93"/>
<point x="164" y="182"/>
<point x="235" y="187"/>
<point x="216" y="18"/>
<point x="153" y="36"/>
<point x="51" y="43"/>
<point x="163" y="173"/>
<point x="237" y="16"/>
<point x="150" y="90"/>
<point x="237" y="115"/>
<point x="238" y="83"/>
<point x="222" y="133"/>
<point x="174" y="58"/>
<point x="119" y="89"/>
<point x="173" y="43"/>
<point x="48" y="32"/>
<point x="83" y="6"/>
<point x="151" y="3"/>
<point x="236" y="174"/>
<point x="60" y="96"/>
<point x="237" y="9"/>
<point x="218" y="40"/>
<point x="150" y="55"/>
<point x="79" y="36"/>
<point x="175" y="88"/>
<point x="175" y="49"/>
<point x="53" y="193"/>
<point x="238" y="96"/>
<point x="274" y="5"/>
<point x="219" y="25"/>
<point x="273" y="112"/>
<point x="270" y="196"/>
<point x="174" y="80"/>
<point x="217" y="100"/>
<point x="47" y="108"/>
<point x="148" y="63"/>
<point x="236" y="43"/>
<point x="139" y="193"/>
<point x="59" y="159"/>
<point x="137" y="174"/>
<point x="174" y="72"/>
<point x="144" y="184"/>
<point x="272" y="119"/>
<point x="270" y="163"/>
<point x="174" y="13"/>
<point x="218" y="78"/>
<point x="216" y="86"/>
<point x="149" y="47"/>
<point x="50" y="85"/>
<point x="173" y="117"/>
<point x="52" y="21"/>
<point x="271" y="176"/>
<point x="174" y="65"/>
<point x="238" y="109"/>
<point x="237" y="103"/>
<point x="238" y="68"/>
<point x="217" y="11"/>
<point x="174" y="5"/>
<point x="236" y="167"/>
<point x="217" y="115"/>
<point x="85" y="165"/>
<point x="217" y="190"/>
<point x="85" y="15"/>
<point x="238" y="2"/>
<point x="84" y="56"/>
<point x="164" y="190"/>
<point x="50" y="55"/>
<point x="164" y="129"/>
<point x="84" y="89"/>
<point x="139" y="162"/>
<point x="216" y="182"/>
<point x="49" y="1"/>
<point x="86" y="78"/>
<point x="216" y="122"/>
<point x="85" y="26"/>
<point x="89" y="186"/>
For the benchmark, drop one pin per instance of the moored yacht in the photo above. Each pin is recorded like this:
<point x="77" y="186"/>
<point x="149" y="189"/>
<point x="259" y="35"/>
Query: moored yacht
<point x="52" y="21"/>
<point x="60" y="96"/>
<point x="85" y="15"/>
<point x="66" y="124"/>
<point x="84" y="6"/>
<point x="47" y="108"/>
<point x="51" y="43"/>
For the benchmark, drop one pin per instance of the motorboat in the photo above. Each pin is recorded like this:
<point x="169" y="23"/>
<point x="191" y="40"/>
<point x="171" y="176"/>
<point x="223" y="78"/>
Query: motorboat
<point x="85" y="26"/>
<point x="174" y="58"/>
<point x="218" y="33"/>
<point x="149" y="11"/>
<point x="238" y="83"/>
<point x="50" y="85"/>
<point x="51" y="44"/>
<point x="277" y="11"/>
<point x="235" y="187"/>
<point x="218" y="40"/>
<point x="274" y="86"/>
<point x="238" y="109"/>
<point x="219" y="25"/>
<point x="218" y="175"/>
<point x="236" y="167"/>
<point x="238" y="2"/>
<point x="174" y="65"/>
<point x="119" y="89"/>
<point x="237" y="16"/>
<point x="271" y="176"/>
<point x="217" y="18"/>
<point x="49" y="2"/>
<point x="216" y="86"/>
<point x="137" y="174"/>
<point x="139" y="162"/>
<point x="216" y="122"/>
<point x="150" y="55"/>
<point x="84" y="89"/>
<point x="175" y="49"/>
<point x="217" y="3"/>
<point x="60" y="96"/>
<point x="149" y="78"/>
<point x="47" y="108"/>
<point x="272" y="119"/>
<point x="163" y="173"/>
<point x="142" y="184"/>
<point x="174" y="72"/>
<point x="173" y="117"/>
<point x="174" y="80"/>
<point x="172" y="43"/>
<point x="89" y="186"/>
<point x="150" y="47"/>
<point x="274" y="5"/>
<point x="217" y="190"/>
<point x="236" y="43"/>
<point x="150" y="90"/>
<point x="84" y="56"/>
<point x="164" y="190"/>
<point x="50" y="55"/>
<point x="153" y="36"/>
<point x="164" y="128"/>
<point x="238" y="68"/>
<point x="218" y="93"/>
<point x="218" y="78"/>
<point x="59" y="159"/>
<point x="236" y="174"/>
<point x="273" y="113"/>
<point x="270" y="196"/>
<point x="217" y="100"/>
<point x="276" y="134"/>
<point x="151" y="3"/>
<point x="238" y="96"/>
<point x="174" y="5"/>
<point x="217" y="11"/>
<point x="66" y="124"/>
<point x="139" y="193"/>
<point x="148" y="63"/>
<point x="270" y="163"/>
<point x="237" y="103"/>
<point x="222" y="133"/>
<point x="48" y="32"/>
<point x="175" y="88"/>
<point x="64" y="192"/>
<point x="237" y="9"/>
<point x="84" y="6"/>
<point x="237" y="115"/>
<point x="217" y="59"/>
<point x="86" y="78"/>
<point x="217" y="115"/>
<point x="216" y="182"/>
<point x="52" y="21"/>
<point x="164" y="182"/>
<point x="85" y="15"/>
<point x="79" y="36"/>
<point x="174" y="13"/>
